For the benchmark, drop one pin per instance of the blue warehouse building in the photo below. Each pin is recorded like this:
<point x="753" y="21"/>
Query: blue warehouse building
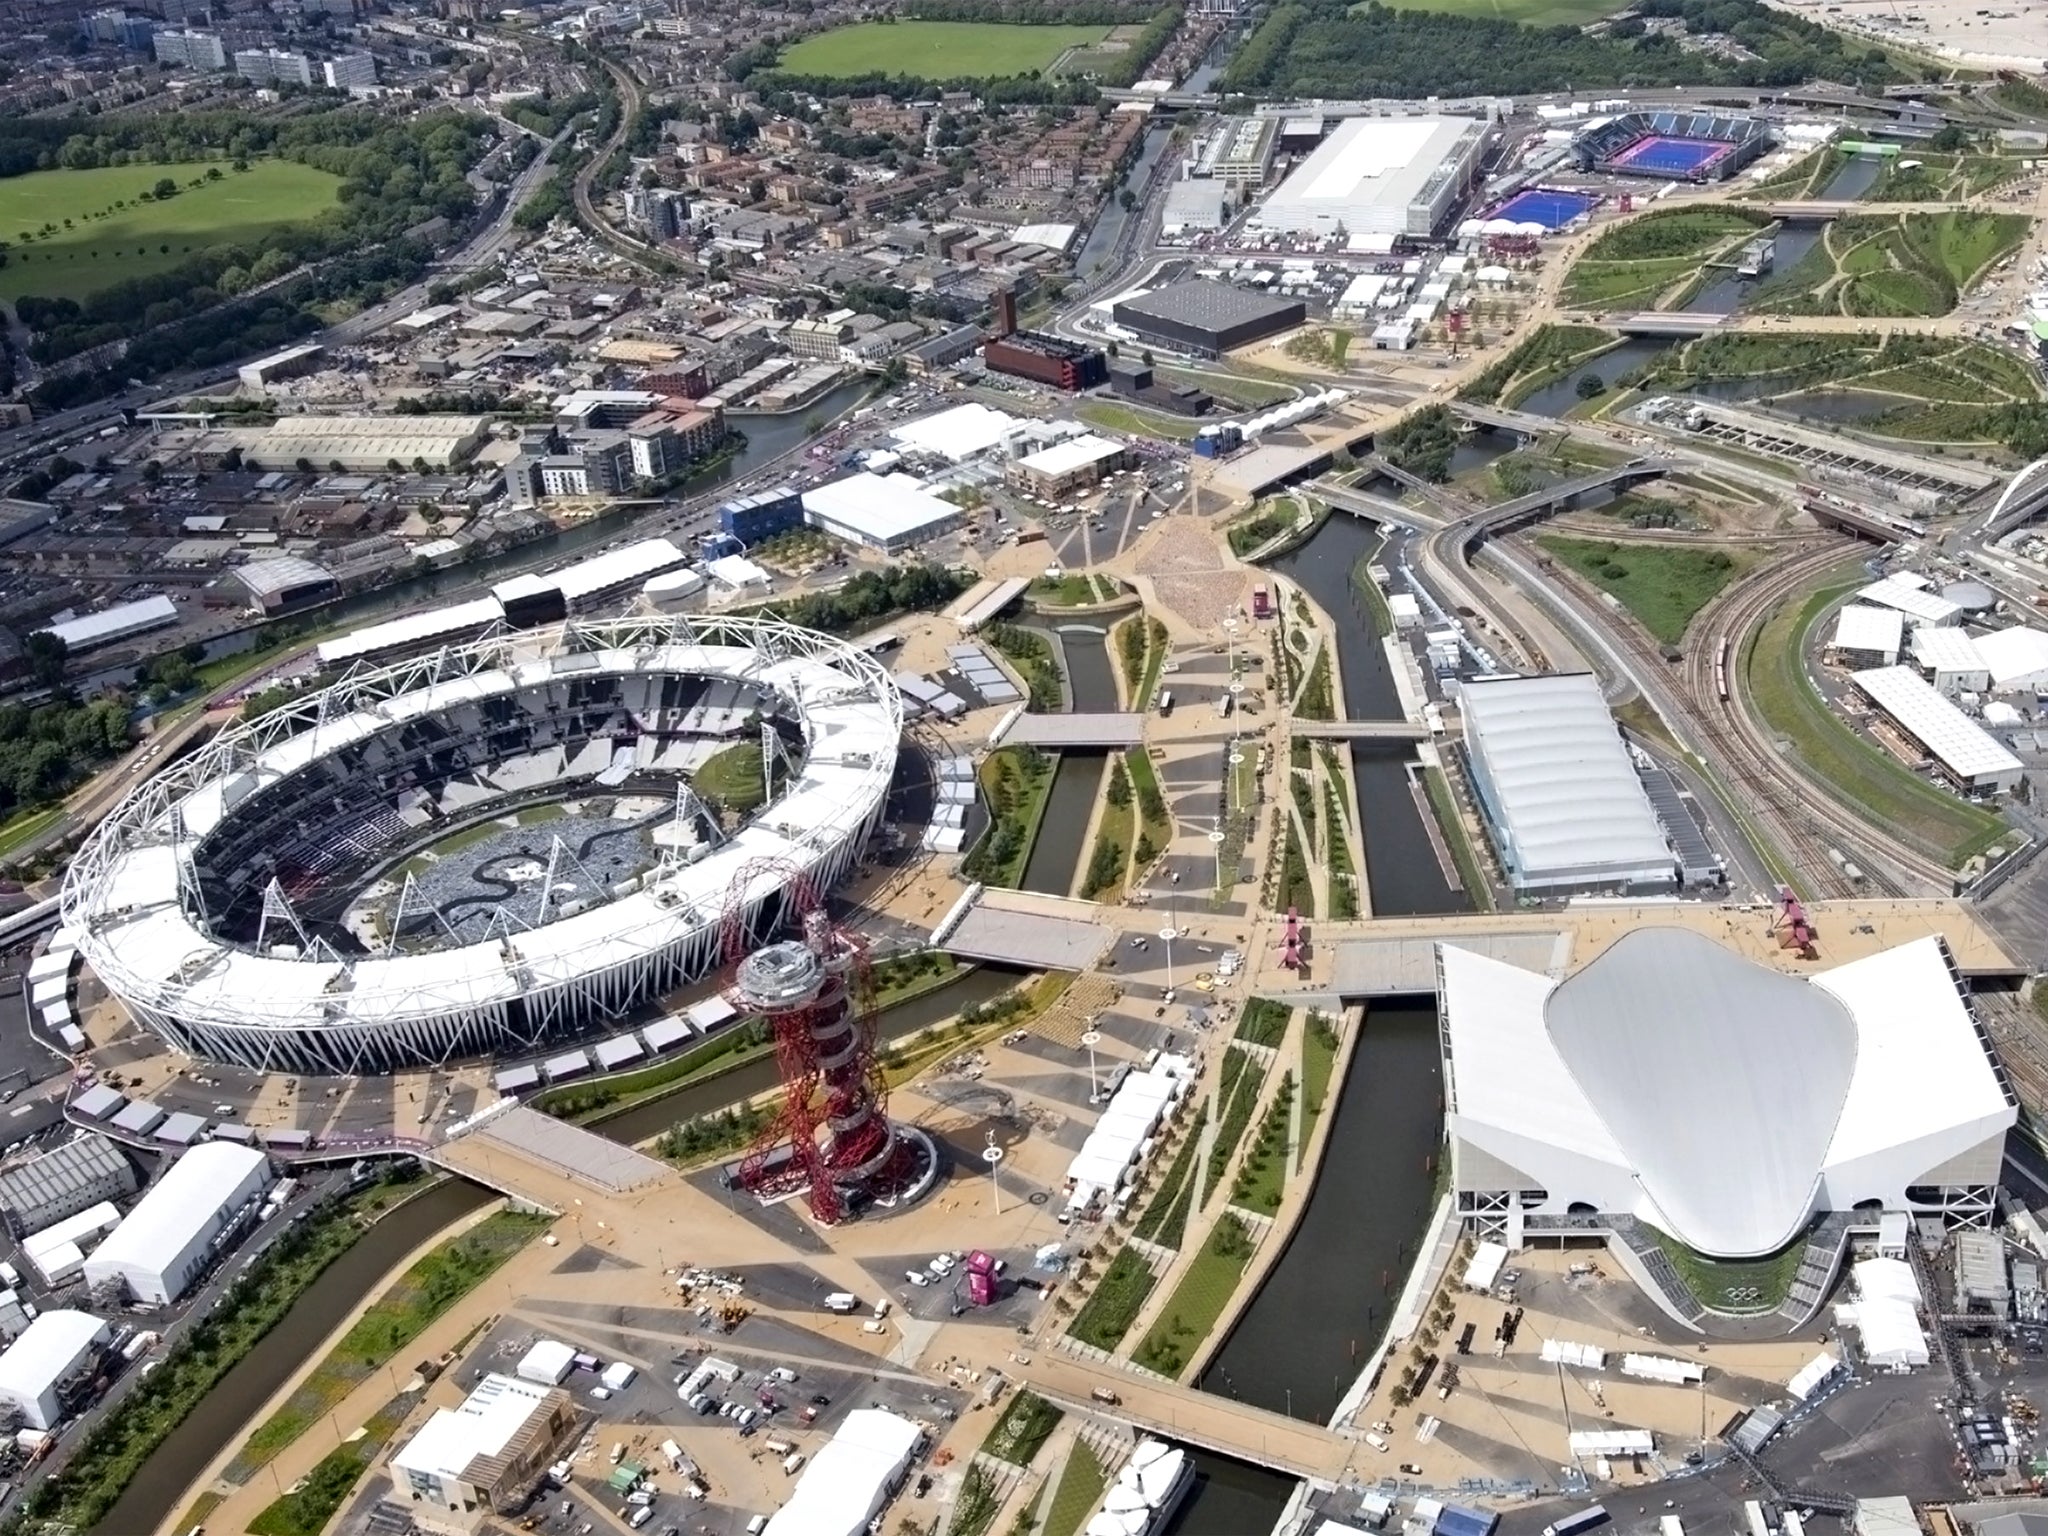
<point x="750" y="519"/>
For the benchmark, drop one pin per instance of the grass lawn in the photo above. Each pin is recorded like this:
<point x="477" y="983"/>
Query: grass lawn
<point x="935" y="50"/>
<point x="1237" y="1095"/>
<point x="1470" y="873"/>
<point x="1108" y="1314"/>
<point x="1889" y="793"/>
<point x="732" y="778"/>
<point x="1081" y="1484"/>
<point x="1120" y="418"/>
<point x="1724" y="1285"/>
<point x="1236" y="388"/>
<point x="1663" y="585"/>
<point x="420" y="1295"/>
<point x="107" y="245"/>
<point x="1318" y="1062"/>
<point x="28" y="825"/>
<point x="1264" y="1170"/>
<point x="1204" y="1291"/>
<point x="313" y="1501"/>
<point x="1165" y="1221"/>
<point x="1022" y="1429"/>
<point x="1157" y="825"/>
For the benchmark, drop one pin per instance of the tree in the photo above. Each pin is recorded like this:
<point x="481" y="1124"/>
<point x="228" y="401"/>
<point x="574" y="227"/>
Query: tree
<point x="165" y="187"/>
<point x="1590" y="386"/>
<point x="45" y="655"/>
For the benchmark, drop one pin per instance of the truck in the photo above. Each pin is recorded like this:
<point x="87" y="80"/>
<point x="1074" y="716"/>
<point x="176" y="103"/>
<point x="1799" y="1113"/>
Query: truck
<point x="1589" y="1518"/>
<point x="842" y="1301"/>
<point x="1262" y="603"/>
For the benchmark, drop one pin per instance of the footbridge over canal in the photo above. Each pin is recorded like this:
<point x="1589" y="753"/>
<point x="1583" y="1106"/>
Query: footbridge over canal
<point x="1172" y="1412"/>
<point x="1362" y="730"/>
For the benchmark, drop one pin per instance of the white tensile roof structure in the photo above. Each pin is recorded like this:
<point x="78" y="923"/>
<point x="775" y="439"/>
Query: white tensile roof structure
<point x="1558" y="787"/>
<point x="957" y="434"/>
<point x="1964" y="747"/>
<point x="1722" y="1102"/>
<point x="1867" y="627"/>
<point x="850" y="1478"/>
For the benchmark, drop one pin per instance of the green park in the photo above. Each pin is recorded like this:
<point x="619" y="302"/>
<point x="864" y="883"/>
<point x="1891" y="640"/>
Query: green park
<point x="69" y="234"/>
<point x="936" y="50"/>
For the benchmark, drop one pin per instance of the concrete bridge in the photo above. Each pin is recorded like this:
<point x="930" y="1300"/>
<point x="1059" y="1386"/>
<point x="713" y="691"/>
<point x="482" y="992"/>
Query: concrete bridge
<point x="1523" y="509"/>
<point x="1664" y="322"/>
<point x="1361" y="730"/>
<point x="1172" y="1412"/>
<point x="1376" y="509"/>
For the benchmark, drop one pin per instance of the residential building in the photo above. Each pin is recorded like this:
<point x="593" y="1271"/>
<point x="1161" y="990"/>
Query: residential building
<point x="273" y="66"/>
<point x="192" y="50"/>
<point x="349" y="72"/>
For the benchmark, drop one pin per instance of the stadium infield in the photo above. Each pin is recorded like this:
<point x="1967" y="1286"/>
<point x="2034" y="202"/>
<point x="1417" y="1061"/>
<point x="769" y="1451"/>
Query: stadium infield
<point x="1661" y="155"/>
<point x="104" y="245"/>
<point x="936" y="50"/>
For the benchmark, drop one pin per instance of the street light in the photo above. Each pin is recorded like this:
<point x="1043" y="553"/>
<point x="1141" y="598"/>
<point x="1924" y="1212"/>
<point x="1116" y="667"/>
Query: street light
<point x="1091" y="1039"/>
<point x="993" y="1156"/>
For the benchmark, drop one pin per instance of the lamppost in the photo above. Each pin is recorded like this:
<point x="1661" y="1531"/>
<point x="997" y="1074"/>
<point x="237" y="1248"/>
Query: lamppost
<point x="1091" y="1039"/>
<point x="993" y="1156"/>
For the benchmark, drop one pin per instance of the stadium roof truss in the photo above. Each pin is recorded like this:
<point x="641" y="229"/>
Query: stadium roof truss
<point x="135" y="898"/>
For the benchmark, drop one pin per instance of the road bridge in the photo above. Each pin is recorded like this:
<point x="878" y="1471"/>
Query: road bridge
<point x="2024" y="498"/>
<point x="1376" y="509"/>
<point x="1182" y="1414"/>
<point x="1058" y="733"/>
<point x="1523" y="509"/>
<point x="1361" y="730"/>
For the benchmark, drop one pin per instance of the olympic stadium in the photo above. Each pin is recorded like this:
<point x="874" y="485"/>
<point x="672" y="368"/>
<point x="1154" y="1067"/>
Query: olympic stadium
<point x="484" y="850"/>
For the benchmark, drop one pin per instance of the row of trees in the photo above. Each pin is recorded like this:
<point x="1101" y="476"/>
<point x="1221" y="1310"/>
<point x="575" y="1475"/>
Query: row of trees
<point x="1335" y="48"/>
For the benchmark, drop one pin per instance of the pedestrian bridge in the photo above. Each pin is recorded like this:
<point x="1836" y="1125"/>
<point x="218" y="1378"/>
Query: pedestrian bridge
<point x="1664" y="322"/>
<point x="1362" y="730"/>
<point x="1057" y="733"/>
<point x="1300" y="1448"/>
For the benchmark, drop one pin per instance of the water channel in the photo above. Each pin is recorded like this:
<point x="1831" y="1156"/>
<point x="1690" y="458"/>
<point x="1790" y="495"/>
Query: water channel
<point x="1060" y="846"/>
<point x="230" y="1408"/>
<point x="768" y="438"/>
<point x="1402" y="868"/>
<point x="1323" y="1308"/>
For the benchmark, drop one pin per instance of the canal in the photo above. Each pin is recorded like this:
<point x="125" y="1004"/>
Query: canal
<point x="229" y="1410"/>
<point x="1059" y="848"/>
<point x="1324" y="1306"/>
<point x="1230" y="1498"/>
<point x="768" y="438"/>
<point x="1402" y="868"/>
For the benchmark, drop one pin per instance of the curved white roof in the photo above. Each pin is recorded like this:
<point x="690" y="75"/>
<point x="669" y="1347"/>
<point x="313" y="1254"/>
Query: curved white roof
<point x="1719" y="1100"/>
<point x="1552" y="766"/>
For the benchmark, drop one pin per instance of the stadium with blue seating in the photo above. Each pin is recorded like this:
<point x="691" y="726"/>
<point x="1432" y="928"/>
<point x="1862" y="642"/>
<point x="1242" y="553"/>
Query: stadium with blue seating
<point x="1698" y="147"/>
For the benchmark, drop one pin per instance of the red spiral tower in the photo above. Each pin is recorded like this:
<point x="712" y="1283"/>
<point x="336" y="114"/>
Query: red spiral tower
<point x="832" y="1135"/>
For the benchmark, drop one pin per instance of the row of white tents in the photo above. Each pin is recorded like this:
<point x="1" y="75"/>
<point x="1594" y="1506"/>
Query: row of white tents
<point x="1123" y="1138"/>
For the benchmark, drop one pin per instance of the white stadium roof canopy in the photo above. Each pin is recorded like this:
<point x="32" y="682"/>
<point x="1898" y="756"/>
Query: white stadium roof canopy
<point x="1720" y="1101"/>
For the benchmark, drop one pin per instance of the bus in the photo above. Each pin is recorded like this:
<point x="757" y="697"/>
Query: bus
<point x="1759" y="1523"/>
<point x="1262" y="603"/>
<point x="1166" y="701"/>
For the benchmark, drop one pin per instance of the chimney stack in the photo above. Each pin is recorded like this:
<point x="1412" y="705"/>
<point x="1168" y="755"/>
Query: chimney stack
<point x="1006" y="313"/>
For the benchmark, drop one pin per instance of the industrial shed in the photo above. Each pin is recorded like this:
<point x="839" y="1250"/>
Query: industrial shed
<point x="43" y="1358"/>
<point x="1206" y="318"/>
<point x="1965" y="752"/>
<point x="164" y="1243"/>
<point x="1561" y="797"/>
<point x="42" y="1191"/>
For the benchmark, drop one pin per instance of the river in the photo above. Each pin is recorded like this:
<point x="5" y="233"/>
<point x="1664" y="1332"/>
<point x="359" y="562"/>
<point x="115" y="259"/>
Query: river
<point x="1323" y="1307"/>
<point x="1401" y="863"/>
<point x="231" y="1407"/>
<point x="768" y="437"/>
<point x="1060" y="846"/>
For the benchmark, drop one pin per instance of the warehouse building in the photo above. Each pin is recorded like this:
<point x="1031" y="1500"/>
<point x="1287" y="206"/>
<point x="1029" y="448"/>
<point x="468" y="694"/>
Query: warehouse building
<point x="1960" y="749"/>
<point x="1073" y="465"/>
<point x="763" y="515"/>
<point x="121" y="622"/>
<point x="285" y="582"/>
<point x="36" y="1366"/>
<point x="1950" y="660"/>
<point x="1046" y="359"/>
<point x="2017" y="659"/>
<point x="44" y="1190"/>
<point x="883" y="512"/>
<point x="1914" y="596"/>
<point x="485" y="1457"/>
<point x="1561" y="797"/>
<point x="1867" y="636"/>
<point x="1384" y="176"/>
<point x="345" y="444"/>
<point x="167" y="1240"/>
<point x="1205" y="318"/>
<point x="288" y="364"/>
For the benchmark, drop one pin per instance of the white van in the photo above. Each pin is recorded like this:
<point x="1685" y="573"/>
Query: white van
<point x="793" y="1463"/>
<point x="757" y="1525"/>
<point x="841" y="1301"/>
<point x="1377" y="1442"/>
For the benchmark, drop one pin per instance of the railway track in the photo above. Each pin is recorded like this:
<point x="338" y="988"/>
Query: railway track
<point x="1823" y="833"/>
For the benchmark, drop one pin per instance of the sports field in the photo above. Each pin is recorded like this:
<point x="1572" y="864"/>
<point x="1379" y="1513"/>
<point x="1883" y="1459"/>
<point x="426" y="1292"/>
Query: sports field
<point x="104" y="244"/>
<point x="1535" y="13"/>
<point x="935" y="50"/>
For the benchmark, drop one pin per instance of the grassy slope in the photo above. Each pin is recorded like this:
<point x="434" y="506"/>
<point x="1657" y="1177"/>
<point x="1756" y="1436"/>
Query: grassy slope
<point x="1662" y="585"/>
<point x="935" y="50"/>
<point x="240" y="209"/>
